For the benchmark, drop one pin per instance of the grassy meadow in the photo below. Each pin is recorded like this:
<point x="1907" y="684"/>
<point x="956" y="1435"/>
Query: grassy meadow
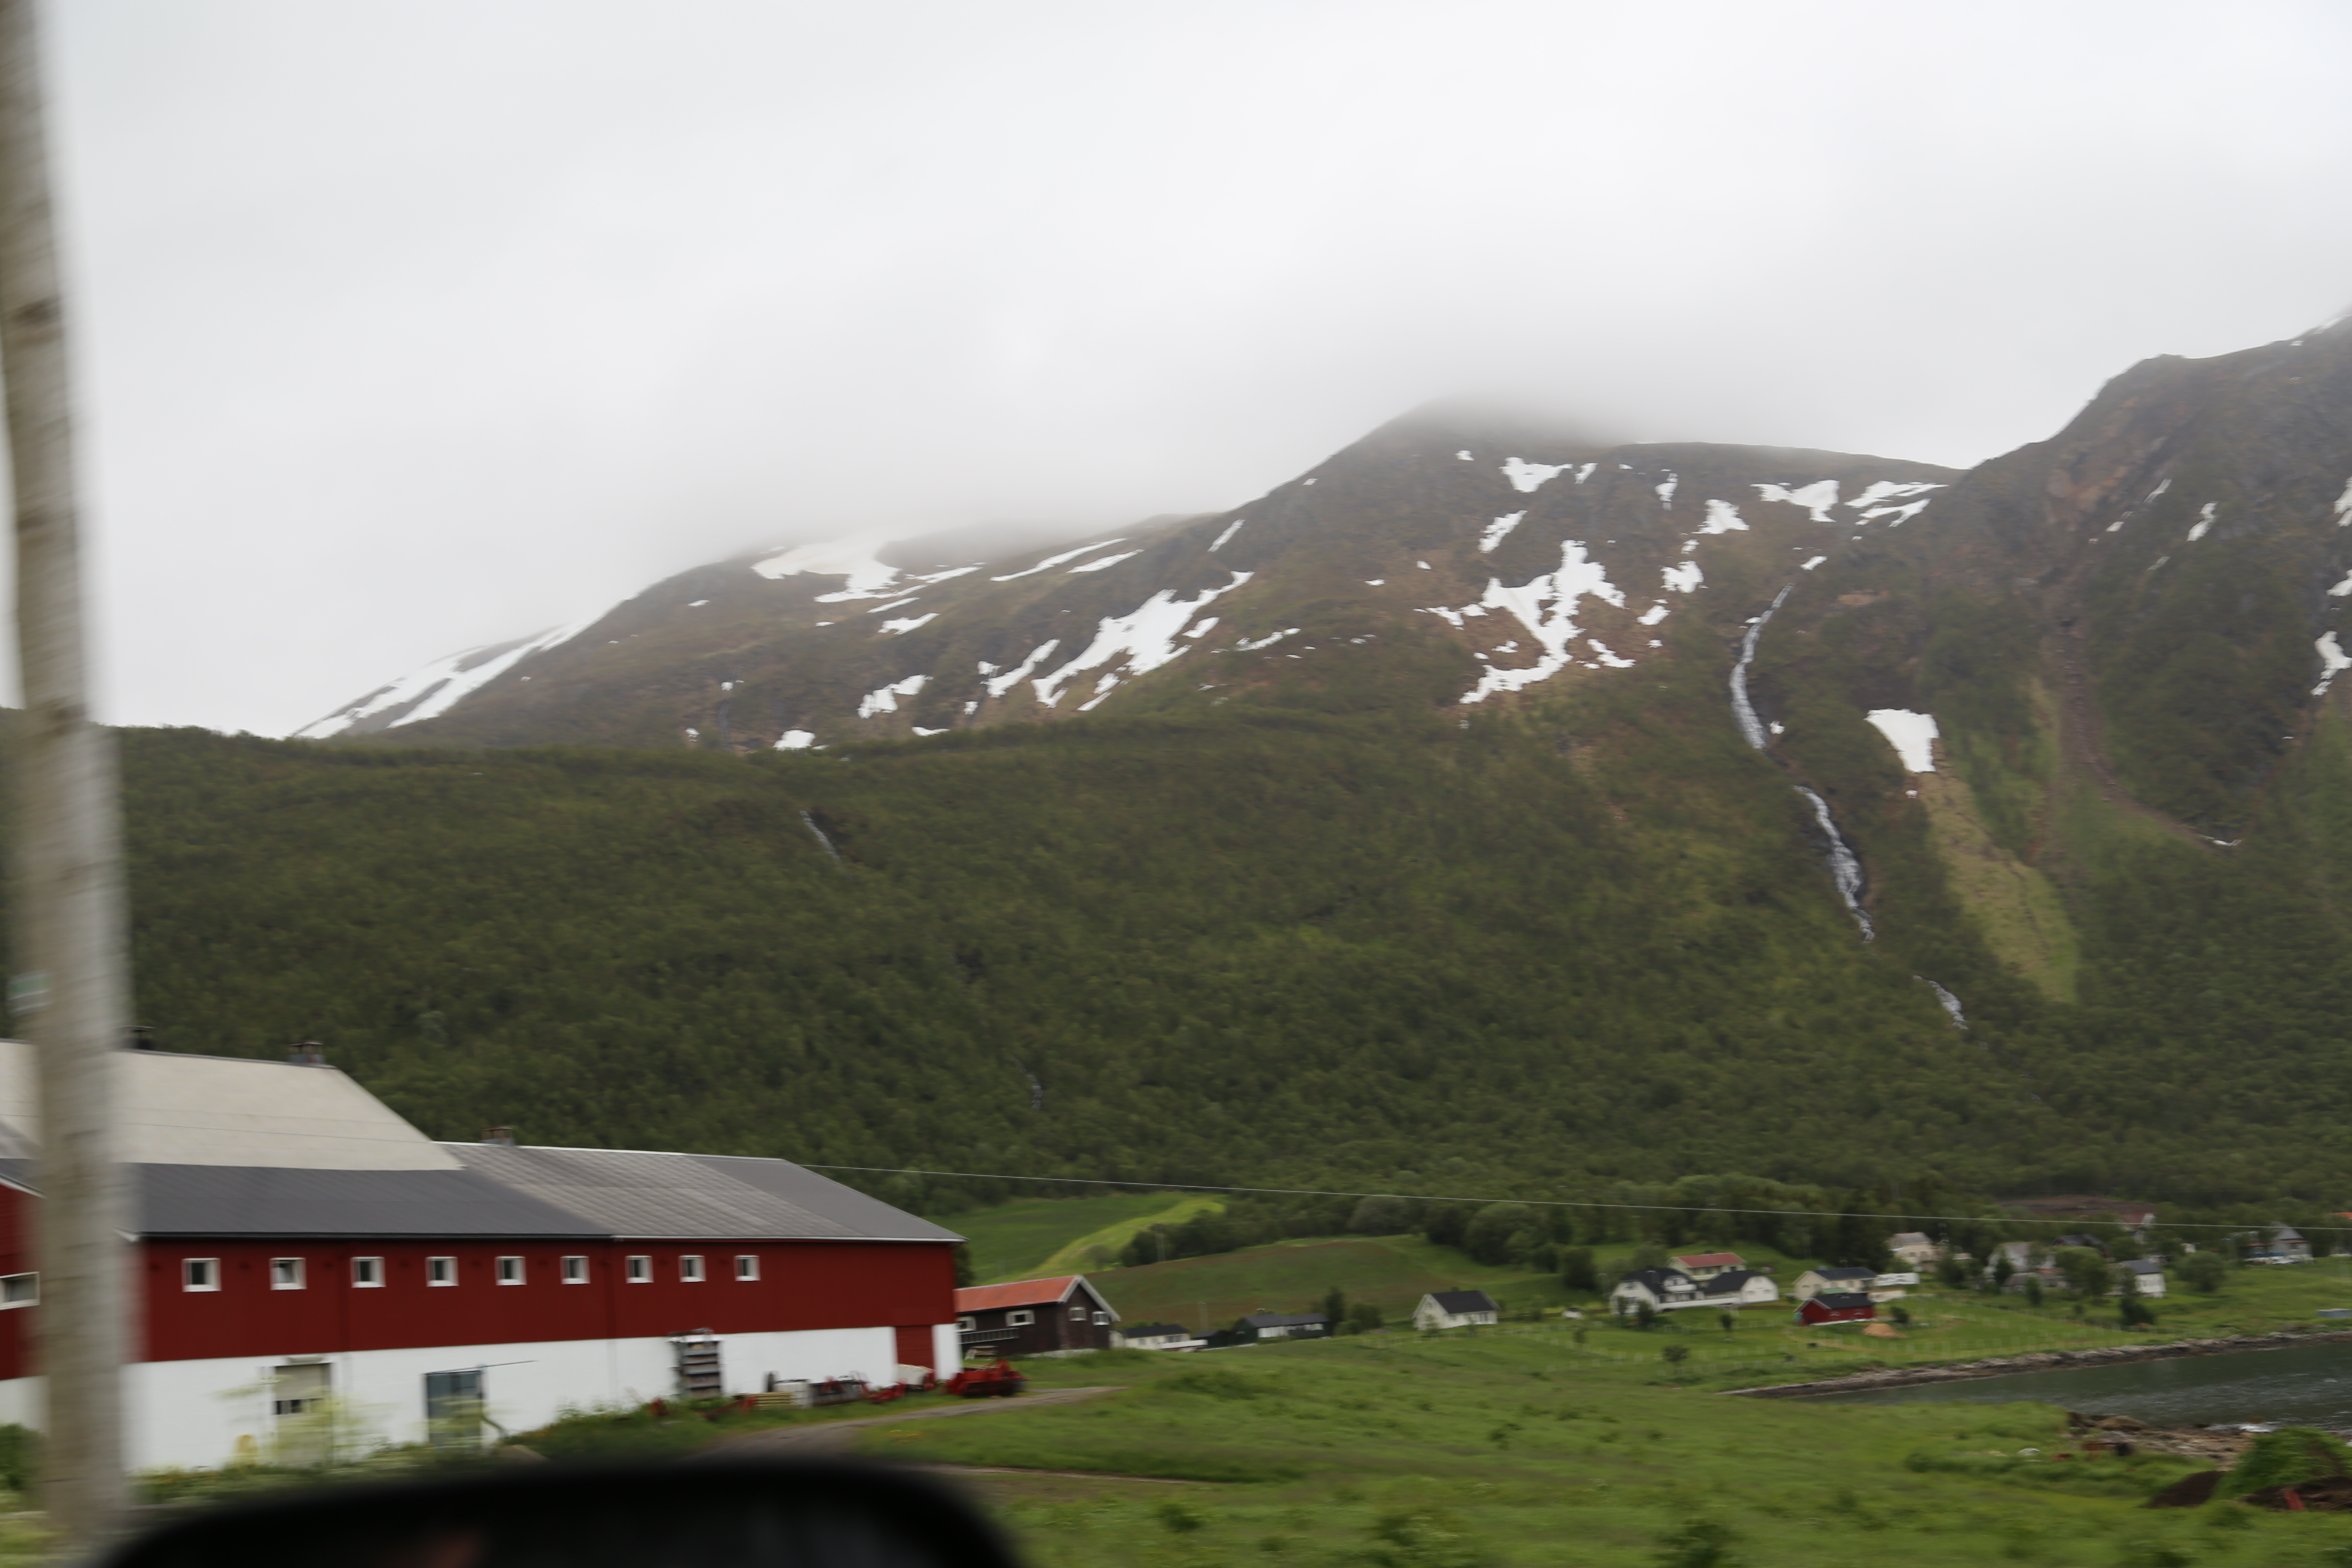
<point x="1527" y="1448"/>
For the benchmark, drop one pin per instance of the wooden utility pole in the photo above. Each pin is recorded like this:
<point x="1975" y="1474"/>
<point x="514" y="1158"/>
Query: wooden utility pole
<point x="69" y="990"/>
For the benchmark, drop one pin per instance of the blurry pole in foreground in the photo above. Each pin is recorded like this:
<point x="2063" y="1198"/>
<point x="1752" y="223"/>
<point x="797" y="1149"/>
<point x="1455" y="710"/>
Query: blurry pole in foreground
<point x="69" y="991"/>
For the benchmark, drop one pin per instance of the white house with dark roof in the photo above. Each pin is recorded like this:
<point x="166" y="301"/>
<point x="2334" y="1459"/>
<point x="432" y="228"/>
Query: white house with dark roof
<point x="1915" y="1249"/>
<point x="1814" y="1282"/>
<point x="1659" y="1289"/>
<point x="1455" y="1310"/>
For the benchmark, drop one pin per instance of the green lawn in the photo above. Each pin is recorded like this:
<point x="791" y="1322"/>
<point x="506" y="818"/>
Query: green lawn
<point x="1015" y="1240"/>
<point x="1525" y="1446"/>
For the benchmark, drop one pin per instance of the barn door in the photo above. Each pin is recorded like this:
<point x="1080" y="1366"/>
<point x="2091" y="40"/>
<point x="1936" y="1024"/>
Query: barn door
<point x="453" y="1408"/>
<point x="298" y="1398"/>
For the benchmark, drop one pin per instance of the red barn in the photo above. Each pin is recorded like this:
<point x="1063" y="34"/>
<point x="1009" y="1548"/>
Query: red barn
<point x="316" y="1275"/>
<point x="1836" y="1307"/>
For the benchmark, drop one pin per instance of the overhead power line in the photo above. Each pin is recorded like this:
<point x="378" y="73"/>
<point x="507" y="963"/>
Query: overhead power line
<point x="1531" y="1203"/>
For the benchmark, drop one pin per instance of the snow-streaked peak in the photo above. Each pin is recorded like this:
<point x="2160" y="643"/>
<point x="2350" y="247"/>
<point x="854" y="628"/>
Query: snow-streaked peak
<point x="429" y="692"/>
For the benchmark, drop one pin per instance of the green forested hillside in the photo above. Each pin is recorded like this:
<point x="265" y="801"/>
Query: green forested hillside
<point x="1528" y="954"/>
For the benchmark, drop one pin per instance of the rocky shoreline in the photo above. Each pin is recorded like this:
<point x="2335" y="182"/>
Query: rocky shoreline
<point x="2044" y="1360"/>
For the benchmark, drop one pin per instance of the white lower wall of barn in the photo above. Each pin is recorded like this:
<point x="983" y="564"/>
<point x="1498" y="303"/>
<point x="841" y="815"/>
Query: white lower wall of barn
<point x="194" y="1413"/>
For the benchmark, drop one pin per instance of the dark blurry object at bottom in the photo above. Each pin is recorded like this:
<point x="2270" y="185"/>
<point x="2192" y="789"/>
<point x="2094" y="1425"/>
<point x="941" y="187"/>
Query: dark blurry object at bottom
<point x="711" y="1514"/>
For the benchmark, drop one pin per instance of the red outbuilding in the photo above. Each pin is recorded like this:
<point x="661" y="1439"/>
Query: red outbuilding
<point x="1836" y="1307"/>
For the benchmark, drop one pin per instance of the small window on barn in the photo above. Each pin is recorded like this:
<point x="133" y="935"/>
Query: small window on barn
<point x="1077" y="1314"/>
<point x="967" y="1324"/>
<point x="509" y="1270"/>
<point x="200" y="1274"/>
<point x="286" y="1274"/>
<point x="747" y="1266"/>
<point x="367" y="1273"/>
<point x="575" y="1271"/>
<point x="1019" y="1320"/>
<point x="440" y="1271"/>
<point x="20" y="1291"/>
<point x="640" y="1269"/>
<point x="690" y="1267"/>
<point x="1102" y="1317"/>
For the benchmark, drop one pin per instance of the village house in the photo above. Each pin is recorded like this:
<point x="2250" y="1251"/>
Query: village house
<point x="1813" y="1282"/>
<point x="2145" y="1275"/>
<point x="1915" y="1249"/>
<point x="1260" y="1327"/>
<point x="1835" y="1306"/>
<point x="1706" y="1266"/>
<point x="1034" y="1317"/>
<point x="1454" y="1310"/>
<point x="1884" y="1288"/>
<point x="315" y="1277"/>
<point x="2273" y="1243"/>
<point x="1156" y="1337"/>
<point x="1659" y="1289"/>
<point x="1737" y="1288"/>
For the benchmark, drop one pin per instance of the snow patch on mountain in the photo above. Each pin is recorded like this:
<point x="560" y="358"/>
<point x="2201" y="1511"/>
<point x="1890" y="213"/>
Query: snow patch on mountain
<point x="1684" y="576"/>
<point x="1872" y="502"/>
<point x="796" y="740"/>
<point x="999" y="684"/>
<point x="885" y="700"/>
<point x="1499" y="529"/>
<point x="1143" y="639"/>
<point x="1666" y="490"/>
<point x="443" y="684"/>
<point x="851" y="558"/>
<point x="1816" y="498"/>
<point x="1546" y="607"/>
<point x="2203" y="524"/>
<point x="1528" y="477"/>
<point x="2332" y="662"/>
<point x="1911" y="735"/>
<point x="1722" y="517"/>
<point x="2344" y="505"/>
<point x="1053" y="560"/>
<point x="902" y="626"/>
<point x="1097" y="566"/>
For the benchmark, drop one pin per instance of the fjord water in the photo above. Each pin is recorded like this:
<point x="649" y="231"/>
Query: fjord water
<point x="2309" y="1385"/>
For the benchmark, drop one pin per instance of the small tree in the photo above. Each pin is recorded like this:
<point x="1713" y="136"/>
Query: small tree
<point x="1701" y="1543"/>
<point x="1644" y="1315"/>
<point x="1576" y="1273"/>
<point x="1649" y="1254"/>
<point x="2004" y="1267"/>
<point x="1676" y="1355"/>
<point x="1730" y="1320"/>
<point x="2204" y="1271"/>
<point x="1901" y="1314"/>
<point x="1951" y="1273"/>
<point x="2135" y="1312"/>
<point x="2033" y="1290"/>
<point x="1335" y="1307"/>
<point x="2088" y="1273"/>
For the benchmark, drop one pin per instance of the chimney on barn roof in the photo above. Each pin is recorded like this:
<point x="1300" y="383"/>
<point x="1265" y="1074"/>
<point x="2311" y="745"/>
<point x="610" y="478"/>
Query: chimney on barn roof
<point x="501" y="1136"/>
<point x="307" y="1054"/>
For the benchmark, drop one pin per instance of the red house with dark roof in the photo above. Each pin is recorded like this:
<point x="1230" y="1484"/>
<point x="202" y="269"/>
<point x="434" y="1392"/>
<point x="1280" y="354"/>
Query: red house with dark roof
<point x="1835" y="1306"/>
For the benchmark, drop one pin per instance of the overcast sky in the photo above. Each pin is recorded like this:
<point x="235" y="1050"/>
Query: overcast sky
<point x="409" y="326"/>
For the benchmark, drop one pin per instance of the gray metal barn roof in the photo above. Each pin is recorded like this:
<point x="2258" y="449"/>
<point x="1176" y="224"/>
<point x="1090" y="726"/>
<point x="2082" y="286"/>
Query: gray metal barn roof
<point x="627" y="1192"/>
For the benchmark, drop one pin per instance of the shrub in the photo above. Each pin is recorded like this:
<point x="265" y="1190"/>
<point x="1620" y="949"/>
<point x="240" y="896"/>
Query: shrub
<point x="1576" y="1273"/>
<point x="1382" y="1216"/>
<point x="1676" y="1355"/>
<point x="1701" y="1543"/>
<point x="2203" y="1271"/>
